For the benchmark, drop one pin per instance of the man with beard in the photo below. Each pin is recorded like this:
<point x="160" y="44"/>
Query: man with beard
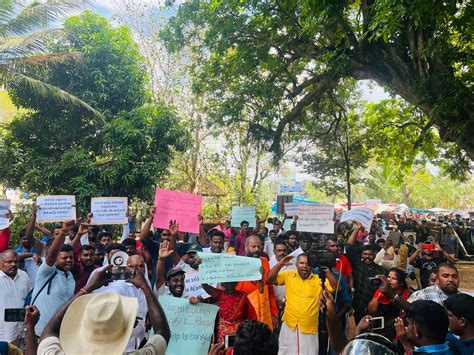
<point x="173" y="284"/>
<point x="54" y="281"/>
<point x="14" y="286"/>
<point x="82" y="270"/>
<point x="259" y="293"/>
<point x="447" y="283"/>
<point x="299" y="331"/>
<point x="364" y="267"/>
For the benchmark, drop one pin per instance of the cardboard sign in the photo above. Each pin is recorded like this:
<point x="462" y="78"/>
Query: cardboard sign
<point x="291" y="208"/>
<point x="191" y="326"/>
<point x="56" y="208"/>
<point x="183" y="207"/>
<point x="364" y="216"/>
<point x="4" y="207"/>
<point x="315" y="218"/>
<point x="228" y="268"/>
<point x="246" y="213"/>
<point x="109" y="210"/>
<point x="192" y="284"/>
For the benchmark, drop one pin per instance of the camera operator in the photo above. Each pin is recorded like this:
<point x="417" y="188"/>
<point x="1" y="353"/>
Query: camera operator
<point x="299" y="331"/>
<point x="382" y="304"/>
<point x="362" y="261"/>
<point x="363" y="343"/>
<point x="427" y="258"/>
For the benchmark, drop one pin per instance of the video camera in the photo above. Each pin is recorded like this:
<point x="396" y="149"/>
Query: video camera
<point x="321" y="258"/>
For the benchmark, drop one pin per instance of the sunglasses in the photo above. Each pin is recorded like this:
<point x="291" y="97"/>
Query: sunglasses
<point x="165" y="234"/>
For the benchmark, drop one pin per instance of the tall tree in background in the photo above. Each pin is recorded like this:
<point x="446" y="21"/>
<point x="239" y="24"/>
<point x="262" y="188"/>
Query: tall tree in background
<point x="56" y="148"/>
<point x="24" y="29"/>
<point x="281" y="56"/>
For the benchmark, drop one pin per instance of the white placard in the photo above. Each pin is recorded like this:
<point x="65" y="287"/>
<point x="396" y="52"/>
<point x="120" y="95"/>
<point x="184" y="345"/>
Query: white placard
<point x="362" y="215"/>
<point x="192" y="284"/>
<point x="315" y="218"/>
<point x="4" y="207"/>
<point x="109" y="210"/>
<point x="291" y="208"/>
<point x="56" y="208"/>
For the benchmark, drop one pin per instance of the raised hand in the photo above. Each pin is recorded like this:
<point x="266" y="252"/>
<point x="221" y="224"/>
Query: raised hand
<point x="286" y="260"/>
<point x="174" y="228"/>
<point x="152" y="211"/>
<point x="165" y="249"/>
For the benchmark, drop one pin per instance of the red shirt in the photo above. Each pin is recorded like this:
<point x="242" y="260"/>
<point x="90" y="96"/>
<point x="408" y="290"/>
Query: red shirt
<point x="344" y="266"/>
<point x="387" y="300"/>
<point x="4" y="239"/>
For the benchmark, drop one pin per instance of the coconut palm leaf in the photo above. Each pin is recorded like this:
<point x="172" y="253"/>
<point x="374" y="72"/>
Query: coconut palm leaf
<point x="43" y="91"/>
<point x="24" y="25"/>
<point x="40" y="15"/>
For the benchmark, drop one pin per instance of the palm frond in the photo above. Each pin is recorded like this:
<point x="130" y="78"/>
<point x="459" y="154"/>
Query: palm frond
<point x="23" y="46"/>
<point x="40" y="15"/>
<point x="38" y="63"/>
<point x="7" y="10"/>
<point x="43" y="90"/>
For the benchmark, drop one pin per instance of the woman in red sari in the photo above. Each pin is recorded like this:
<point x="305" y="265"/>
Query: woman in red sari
<point x="234" y="308"/>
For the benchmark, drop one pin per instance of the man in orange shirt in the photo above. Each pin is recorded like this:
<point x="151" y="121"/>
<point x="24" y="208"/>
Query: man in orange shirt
<point x="259" y="293"/>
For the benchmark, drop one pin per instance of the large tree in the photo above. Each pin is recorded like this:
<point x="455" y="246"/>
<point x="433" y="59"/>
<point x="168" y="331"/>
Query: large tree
<point x="281" y="57"/>
<point x="57" y="148"/>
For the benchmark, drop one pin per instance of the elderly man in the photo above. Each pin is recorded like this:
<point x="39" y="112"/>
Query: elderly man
<point x="14" y="286"/>
<point x="299" y="331"/>
<point x="259" y="293"/>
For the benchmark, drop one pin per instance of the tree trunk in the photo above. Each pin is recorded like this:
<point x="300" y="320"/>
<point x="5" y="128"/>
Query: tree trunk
<point x="348" y="184"/>
<point x="406" y="195"/>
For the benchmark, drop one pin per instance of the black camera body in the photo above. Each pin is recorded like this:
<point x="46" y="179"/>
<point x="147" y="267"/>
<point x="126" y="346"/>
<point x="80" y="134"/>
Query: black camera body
<point x="375" y="281"/>
<point x="321" y="258"/>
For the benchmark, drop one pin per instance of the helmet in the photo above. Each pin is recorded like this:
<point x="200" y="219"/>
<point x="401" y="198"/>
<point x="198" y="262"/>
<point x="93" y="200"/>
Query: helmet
<point x="369" y="343"/>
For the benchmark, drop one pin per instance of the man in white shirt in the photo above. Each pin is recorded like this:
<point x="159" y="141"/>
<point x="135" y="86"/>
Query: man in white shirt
<point x="280" y="251"/>
<point x="14" y="286"/>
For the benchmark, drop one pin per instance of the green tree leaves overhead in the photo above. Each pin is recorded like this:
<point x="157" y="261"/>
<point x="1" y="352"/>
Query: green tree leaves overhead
<point x="61" y="149"/>
<point x="279" y="58"/>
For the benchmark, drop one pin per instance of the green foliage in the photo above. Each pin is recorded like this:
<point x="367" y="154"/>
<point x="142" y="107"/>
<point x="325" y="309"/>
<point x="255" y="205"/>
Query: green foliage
<point x="61" y="149"/>
<point x="277" y="60"/>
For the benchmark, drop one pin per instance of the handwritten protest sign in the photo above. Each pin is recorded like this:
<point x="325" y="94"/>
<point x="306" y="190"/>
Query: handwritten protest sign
<point x="228" y="268"/>
<point x="192" y="285"/>
<point x="315" y="218"/>
<point x="180" y="206"/>
<point x="191" y="326"/>
<point x="4" y="207"/>
<point x="362" y="215"/>
<point x="56" y="208"/>
<point x="246" y="213"/>
<point x="291" y="208"/>
<point x="109" y="210"/>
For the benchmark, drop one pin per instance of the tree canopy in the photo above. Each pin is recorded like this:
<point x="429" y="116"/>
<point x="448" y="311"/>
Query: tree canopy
<point x="57" y="148"/>
<point x="279" y="59"/>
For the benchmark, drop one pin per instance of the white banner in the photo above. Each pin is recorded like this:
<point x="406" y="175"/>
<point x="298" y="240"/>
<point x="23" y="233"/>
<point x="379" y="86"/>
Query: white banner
<point x="4" y="207"/>
<point x="315" y="218"/>
<point x="109" y="210"/>
<point x="291" y="208"/>
<point x="362" y="215"/>
<point x="56" y="208"/>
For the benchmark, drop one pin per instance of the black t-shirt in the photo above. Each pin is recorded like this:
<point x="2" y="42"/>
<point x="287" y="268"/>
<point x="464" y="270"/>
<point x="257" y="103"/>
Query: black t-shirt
<point x="426" y="267"/>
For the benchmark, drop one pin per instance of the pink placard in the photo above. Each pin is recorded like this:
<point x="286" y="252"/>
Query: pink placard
<point x="180" y="206"/>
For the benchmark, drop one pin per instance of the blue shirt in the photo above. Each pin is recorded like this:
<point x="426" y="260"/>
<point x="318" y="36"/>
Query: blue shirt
<point x="464" y="347"/>
<point x="439" y="349"/>
<point x="61" y="289"/>
<point x="20" y="249"/>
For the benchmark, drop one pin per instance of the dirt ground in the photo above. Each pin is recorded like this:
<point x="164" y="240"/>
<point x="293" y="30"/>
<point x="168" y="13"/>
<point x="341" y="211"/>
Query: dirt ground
<point x="466" y="275"/>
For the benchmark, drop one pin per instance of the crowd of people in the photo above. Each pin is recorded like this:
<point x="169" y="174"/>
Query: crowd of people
<point x="312" y="285"/>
